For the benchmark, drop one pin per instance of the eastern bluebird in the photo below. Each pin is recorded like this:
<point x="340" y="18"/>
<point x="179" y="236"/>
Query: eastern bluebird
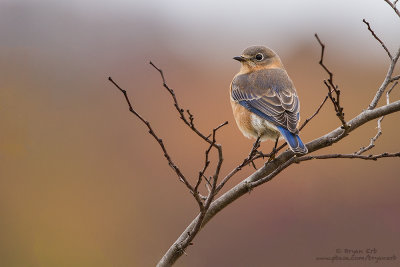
<point x="264" y="101"/>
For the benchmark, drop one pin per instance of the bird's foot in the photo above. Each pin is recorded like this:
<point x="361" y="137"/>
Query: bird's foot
<point x="253" y="164"/>
<point x="271" y="157"/>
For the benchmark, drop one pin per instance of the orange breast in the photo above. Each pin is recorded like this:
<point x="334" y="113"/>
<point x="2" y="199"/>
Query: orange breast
<point x="243" y="120"/>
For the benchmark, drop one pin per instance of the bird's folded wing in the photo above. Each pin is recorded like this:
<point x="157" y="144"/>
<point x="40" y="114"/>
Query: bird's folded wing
<point x="270" y="94"/>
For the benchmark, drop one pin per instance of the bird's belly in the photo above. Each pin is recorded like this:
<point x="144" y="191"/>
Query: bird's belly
<point x="264" y="128"/>
<point x="253" y="126"/>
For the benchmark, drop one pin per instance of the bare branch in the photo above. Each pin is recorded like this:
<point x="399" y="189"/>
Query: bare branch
<point x="321" y="61"/>
<point x="250" y="158"/>
<point x="219" y="127"/>
<point x="182" y="178"/>
<point x="393" y="5"/>
<point x="386" y="81"/>
<point x="207" y="162"/>
<point x="201" y="173"/>
<point x="208" y="184"/>
<point x="373" y="139"/>
<point x="379" y="133"/>
<point x="188" y="121"/>
<point x="219" y="164"/>
<point x="191" y="117"/>
<point x="190" y="234"/>
<point x="377" y="38"/>
<point x="393" y="61"/>
<point x="395" y="78"/>
<point x="388" y="93"/>
<point x="230" y="175"/>
<point x="332" y="88"/>
<point x="348" y="156"/>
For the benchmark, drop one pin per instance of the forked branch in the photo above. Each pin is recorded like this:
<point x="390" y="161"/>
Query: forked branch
<point x="332" y="88"/>
<point x="393" y="5"/>
<point x="178" y="172"/>
<point x="379" y="40"/>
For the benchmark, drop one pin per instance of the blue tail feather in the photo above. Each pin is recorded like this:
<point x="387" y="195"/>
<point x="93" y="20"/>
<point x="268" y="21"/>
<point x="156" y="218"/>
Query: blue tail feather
<point x="293" y="140"/>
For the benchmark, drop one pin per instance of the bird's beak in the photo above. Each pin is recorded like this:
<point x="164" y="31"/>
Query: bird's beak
<point x="240" y="59"/>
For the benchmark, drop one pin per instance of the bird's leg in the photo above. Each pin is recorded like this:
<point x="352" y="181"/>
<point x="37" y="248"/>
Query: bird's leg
<point x="255" y="148"/>
<point x="273" y="153"/>
<point x="256" y="145"/>
<point x="254" y="151"/>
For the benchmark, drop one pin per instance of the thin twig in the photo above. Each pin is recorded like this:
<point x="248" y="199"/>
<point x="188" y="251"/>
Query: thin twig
<point x="208" y="184"/>
<point x="393" y="5"/>
<point x="373" y="139"/>
<point x="379" y="132"/>
<point x="250" y="158"/>
<point x="332" y="87"/>
<point x="182" y="178"/>
<point x="348" y="156"/>
<point x="321" y="61"/>
<point x="207" y="161"/>
<point x="388" y="93"/>
<point x="388" y="79"/>
<point x="377" y="38"/>
<point x="395" y="78"/>
<point x="188" y="121"/>
<point x="181" y="246"/>
<point x="191" y="117"/>
<point x="193" y="232"/>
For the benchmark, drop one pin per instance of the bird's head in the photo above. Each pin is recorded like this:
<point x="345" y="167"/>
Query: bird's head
<point x="258" y="57"/>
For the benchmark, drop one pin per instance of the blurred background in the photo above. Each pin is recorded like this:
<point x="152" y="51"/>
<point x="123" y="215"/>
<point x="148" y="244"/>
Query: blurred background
<point x="82" y="183"/>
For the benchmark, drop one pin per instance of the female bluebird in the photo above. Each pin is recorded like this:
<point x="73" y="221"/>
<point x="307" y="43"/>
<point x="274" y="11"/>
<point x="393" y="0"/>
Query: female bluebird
<point x="264" y="101"/>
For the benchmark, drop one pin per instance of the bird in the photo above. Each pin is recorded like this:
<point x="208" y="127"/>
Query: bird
<point x="264" y="100"/>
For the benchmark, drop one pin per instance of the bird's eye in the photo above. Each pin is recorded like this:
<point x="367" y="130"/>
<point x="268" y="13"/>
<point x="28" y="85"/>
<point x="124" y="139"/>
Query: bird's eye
<point x="259" y="57"/>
